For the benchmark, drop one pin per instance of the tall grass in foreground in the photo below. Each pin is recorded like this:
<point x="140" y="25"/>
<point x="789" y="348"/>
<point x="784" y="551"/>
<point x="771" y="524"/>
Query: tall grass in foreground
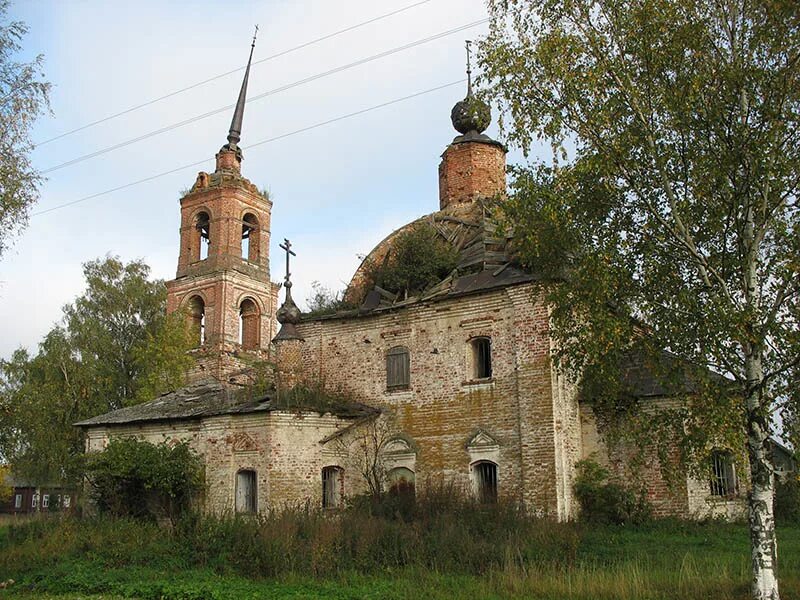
<point x="443" y="546"/>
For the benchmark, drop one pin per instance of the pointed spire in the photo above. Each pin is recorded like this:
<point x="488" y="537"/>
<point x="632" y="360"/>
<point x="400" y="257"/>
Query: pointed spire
<point x="235" y="132"/>
<point x="469" y="68"/>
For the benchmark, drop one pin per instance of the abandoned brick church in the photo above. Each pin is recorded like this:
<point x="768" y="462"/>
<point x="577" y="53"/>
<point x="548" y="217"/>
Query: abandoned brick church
<point x="454" y="384"/>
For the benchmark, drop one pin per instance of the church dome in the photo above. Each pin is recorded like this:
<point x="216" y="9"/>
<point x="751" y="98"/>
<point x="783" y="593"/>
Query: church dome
<point x="471" y="114"/>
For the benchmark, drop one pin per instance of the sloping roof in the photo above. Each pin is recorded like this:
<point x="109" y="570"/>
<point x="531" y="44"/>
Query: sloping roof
<point x="666" y="375"/>
<point x="211" y="398"/>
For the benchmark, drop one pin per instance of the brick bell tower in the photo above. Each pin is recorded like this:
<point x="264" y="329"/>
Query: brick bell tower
<point x="223" y="281"/>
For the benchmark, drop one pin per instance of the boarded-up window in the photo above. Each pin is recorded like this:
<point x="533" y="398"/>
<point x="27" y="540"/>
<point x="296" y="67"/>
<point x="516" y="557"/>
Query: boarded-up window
<point x="332" y="480"/>
<point x="723" y="474"/>
<point x="485" y="474"/>
<point x="398" y="375"/>
<point x="249" y="322"/>
<point x="246" y="492"/>
<point x="481" y="358"/>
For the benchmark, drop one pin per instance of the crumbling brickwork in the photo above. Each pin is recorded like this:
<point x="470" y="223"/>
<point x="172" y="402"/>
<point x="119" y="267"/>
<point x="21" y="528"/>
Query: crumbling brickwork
<point x="471" y="171"/>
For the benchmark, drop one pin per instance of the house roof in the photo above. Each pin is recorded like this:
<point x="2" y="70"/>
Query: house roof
<point x="211" y="398"/>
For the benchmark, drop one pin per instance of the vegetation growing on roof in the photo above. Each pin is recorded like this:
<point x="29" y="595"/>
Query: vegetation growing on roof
<point x="419" y="258"/>
<point x="325" y="301"/>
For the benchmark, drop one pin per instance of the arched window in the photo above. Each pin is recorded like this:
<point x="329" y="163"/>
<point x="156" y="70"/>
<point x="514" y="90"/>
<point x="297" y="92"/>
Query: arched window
<point x="332" y="487"/>
<point x="484" y="475"/>
<point x="197" y="319"/>
<point x="248" y="324"/>
<point x="401" y="482"/>
<point x="246" y="497"/>
<point x="398" y="374"/>
<point x="481" y="357"/>
<point x="723" y="474"/>
<point x="250" y="249"/>
<point x="202" y="236"/>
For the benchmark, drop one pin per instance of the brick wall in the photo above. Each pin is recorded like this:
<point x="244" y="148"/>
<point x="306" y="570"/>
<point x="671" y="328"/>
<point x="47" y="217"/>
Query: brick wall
<point x="471" y="170"/>
<point x="444" y="406"/>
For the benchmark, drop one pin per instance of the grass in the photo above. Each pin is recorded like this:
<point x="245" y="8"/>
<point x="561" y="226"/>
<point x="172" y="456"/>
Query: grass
<point x="214" y="559"/>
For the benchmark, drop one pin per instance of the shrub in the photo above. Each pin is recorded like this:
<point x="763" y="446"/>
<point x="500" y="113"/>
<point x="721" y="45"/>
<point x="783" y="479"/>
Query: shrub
<point x="605" y="501"/>
<point x="419" y="257"/>
<point x="787" y="500"/>
<point x="138" y="479"/>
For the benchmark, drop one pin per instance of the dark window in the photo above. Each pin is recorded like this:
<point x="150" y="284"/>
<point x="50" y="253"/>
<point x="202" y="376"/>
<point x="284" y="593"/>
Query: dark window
<point x="401" y="482"/>
<point x="332" y="487"/>
<point x="481" y="358"/>
<point x="485" y="482"/>
<point x="398" y="374"/>
<point x="246" y="499"/>
<point x="723" y="474"/>
<point x="202" y="225"/>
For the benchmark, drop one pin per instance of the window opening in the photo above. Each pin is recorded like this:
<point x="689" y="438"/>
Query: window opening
<point x="46" y="501"/>
<point x="18" y="501"/>
<point x="723" y="474"/>
<point x="203" y="235"/>
<point x="398" y="375"/>
<point x="332" y="487"/>
<point x="246" y="492"/>
<point x="486" y="482"/>
<point x="248" y="324"/>
<point x="197" y="319"/>
<point x="67" y="501"/>
<point x="481" y="358"/>
<point x="35" y="501"/>
<point x="401" y="482"/>
<point x="250" y="238"/>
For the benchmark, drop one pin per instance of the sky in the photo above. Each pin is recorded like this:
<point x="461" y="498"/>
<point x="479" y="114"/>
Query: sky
<point x="337" y="189"/>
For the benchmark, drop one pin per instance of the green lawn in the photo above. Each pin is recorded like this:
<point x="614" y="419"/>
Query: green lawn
<point x="662" y="560"/>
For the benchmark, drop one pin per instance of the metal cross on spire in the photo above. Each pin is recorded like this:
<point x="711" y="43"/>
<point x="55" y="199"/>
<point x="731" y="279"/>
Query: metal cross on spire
<point x="469" y="68"/>
<point x="287" y="246"/>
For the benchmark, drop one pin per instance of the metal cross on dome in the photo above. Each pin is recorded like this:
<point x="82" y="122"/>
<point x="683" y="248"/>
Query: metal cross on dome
<point x="287" y="246"/>
<point x="469" y="67"/>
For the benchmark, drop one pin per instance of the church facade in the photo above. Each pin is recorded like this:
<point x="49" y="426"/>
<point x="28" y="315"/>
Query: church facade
<point x="453" y="385"/>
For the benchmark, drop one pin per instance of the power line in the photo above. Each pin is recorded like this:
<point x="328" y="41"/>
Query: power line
<point x="221" y="75"/>
<point x="262" y="142"/>
<point x="283" y="88"/>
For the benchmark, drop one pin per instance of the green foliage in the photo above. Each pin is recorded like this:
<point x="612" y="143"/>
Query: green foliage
<point x="114" y="347"/>
<point x="672" y="215"/>
<point x="222" y="558"/>
<point x="6" y="491"/>
<point x="605" y="501"/>
<point x="419" y="257"/>
<point x="324" y="301"/>
<point x="787" y="500"/>
<point x="23" y="98"/>
<point x="132" y="478"/>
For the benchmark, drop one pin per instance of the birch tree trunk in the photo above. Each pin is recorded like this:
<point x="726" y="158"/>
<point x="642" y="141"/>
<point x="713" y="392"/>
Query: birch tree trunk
<point x="763" y="544"/>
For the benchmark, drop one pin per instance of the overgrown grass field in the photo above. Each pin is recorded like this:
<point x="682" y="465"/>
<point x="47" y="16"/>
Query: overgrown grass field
<point x="457" y="551"/>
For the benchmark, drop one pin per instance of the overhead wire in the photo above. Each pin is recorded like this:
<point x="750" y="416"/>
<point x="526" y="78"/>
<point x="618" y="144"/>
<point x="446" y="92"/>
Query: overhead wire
<point x="231" y="72"/>
<point x="259" y="143"/>
<point x="274" y="91"/>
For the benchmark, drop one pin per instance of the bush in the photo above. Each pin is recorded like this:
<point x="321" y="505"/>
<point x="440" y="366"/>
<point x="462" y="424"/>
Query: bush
<point x="604" y="501"/>
<point x="132" y="478"/>
<point x="787" y="500"/>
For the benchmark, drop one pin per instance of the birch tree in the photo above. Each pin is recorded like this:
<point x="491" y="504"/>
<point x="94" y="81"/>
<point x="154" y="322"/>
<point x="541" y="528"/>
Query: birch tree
<point x="671" y="204"/>
<point x="23" y="98"/>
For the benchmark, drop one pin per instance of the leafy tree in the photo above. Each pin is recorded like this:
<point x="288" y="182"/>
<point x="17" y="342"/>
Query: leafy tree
<point x="671" y="209"/>
<point x="115" y="347"/>
<point x="6" y="491"/>
<point x="324" y="301"/>
<point x="23" y="97"/>
<point x="133" y="478"/>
